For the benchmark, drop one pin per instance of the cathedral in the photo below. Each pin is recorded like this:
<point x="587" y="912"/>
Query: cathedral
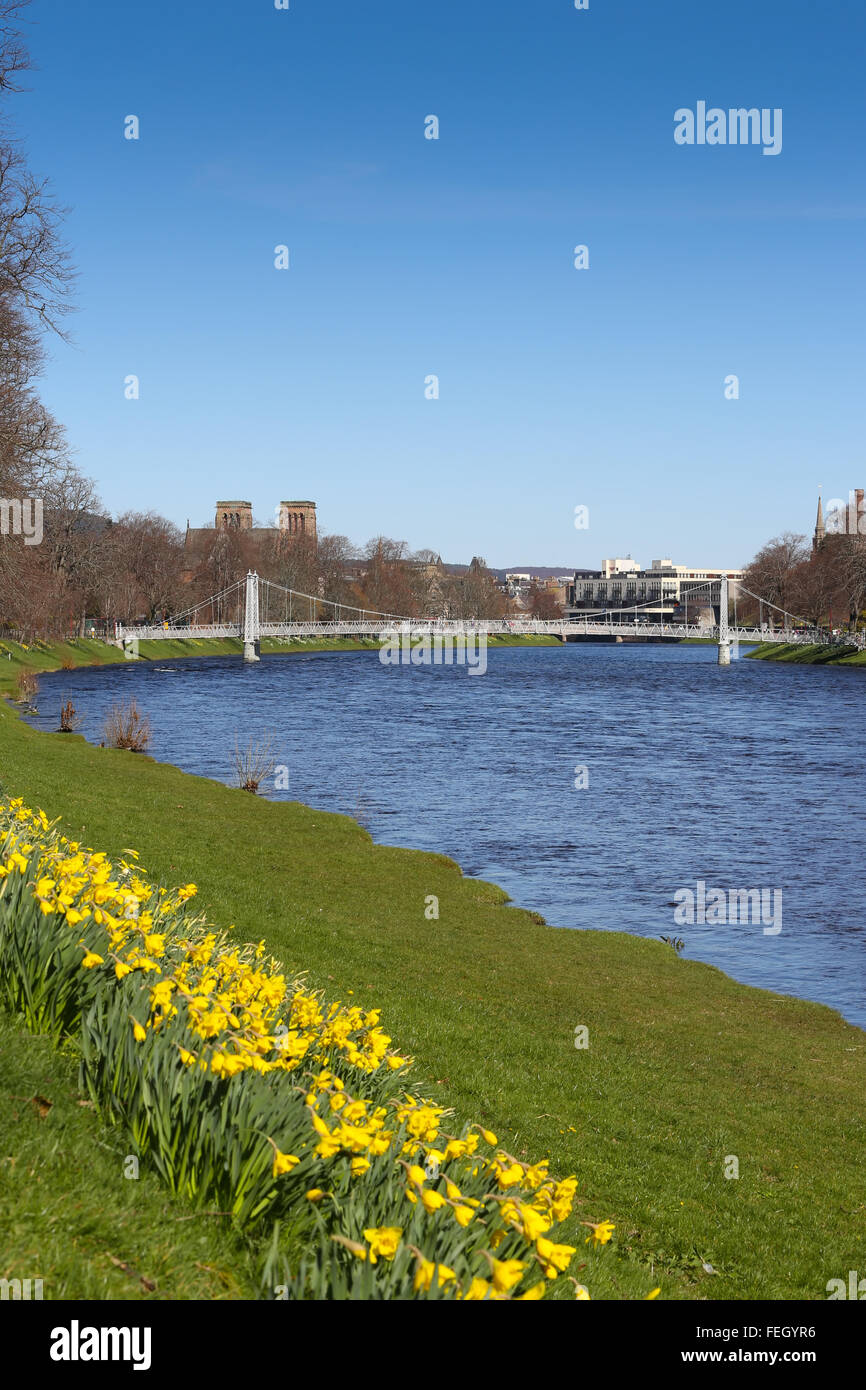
<point x="296" y="521"/>
<point x="295" y="518"/>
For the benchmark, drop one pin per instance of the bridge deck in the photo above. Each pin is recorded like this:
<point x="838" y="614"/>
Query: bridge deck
<point x="561" y="628"/>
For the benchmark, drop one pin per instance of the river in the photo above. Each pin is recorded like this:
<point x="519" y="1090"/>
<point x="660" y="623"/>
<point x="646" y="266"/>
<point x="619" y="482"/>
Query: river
<point x="594" y="783"/>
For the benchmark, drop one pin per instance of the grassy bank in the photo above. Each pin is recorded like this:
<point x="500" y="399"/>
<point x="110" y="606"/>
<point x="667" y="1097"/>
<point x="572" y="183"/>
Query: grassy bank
<point x="708" y="642"/>
<point x="684" y="1068"/>
<point x="812" y="655"/>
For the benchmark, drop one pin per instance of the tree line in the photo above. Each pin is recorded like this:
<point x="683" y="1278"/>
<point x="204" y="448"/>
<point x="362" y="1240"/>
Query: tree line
<point x="822" y="586"/>
<point x="383" y="576"/>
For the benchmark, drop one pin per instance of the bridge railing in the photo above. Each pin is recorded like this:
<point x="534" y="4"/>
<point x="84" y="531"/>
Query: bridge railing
<point x="565" y="627"/>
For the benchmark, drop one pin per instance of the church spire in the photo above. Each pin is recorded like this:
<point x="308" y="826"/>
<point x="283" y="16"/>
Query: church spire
<point x="818" y="537"/>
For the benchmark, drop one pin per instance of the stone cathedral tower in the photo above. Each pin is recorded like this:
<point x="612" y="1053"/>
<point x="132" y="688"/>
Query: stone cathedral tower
<point x="298" y="519"/>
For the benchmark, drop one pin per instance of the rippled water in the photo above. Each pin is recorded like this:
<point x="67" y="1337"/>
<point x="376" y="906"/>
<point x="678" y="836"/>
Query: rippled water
<point x="748" y="777"/>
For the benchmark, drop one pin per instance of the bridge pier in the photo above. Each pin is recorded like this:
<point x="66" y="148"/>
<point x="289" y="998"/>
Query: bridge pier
<point x="251" y="619"/>
<point x="724" y="638"/>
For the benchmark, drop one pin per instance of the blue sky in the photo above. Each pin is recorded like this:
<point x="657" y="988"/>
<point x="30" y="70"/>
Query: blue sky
<point x="411" y="257"/>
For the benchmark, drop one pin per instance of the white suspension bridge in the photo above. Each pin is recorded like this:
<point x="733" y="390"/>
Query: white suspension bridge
<point x="253" y="608"/>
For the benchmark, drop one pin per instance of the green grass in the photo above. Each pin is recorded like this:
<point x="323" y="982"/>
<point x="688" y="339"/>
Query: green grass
<point x="813" y="654"/>
<point x="685" y="1066"/>
<point x="69" y="1215"/>
<point x="707" y="642"/>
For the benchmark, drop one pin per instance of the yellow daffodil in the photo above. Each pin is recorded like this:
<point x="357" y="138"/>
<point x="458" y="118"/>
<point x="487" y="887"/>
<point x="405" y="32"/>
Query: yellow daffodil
<point x="427" y="1271"/>
<point x="532" y="1295"/>
<point x="601" y="1232"/>
<point x="383" y="1241"/>
<point x="534" y="1224"/>
<point x="283" y="1163"/>
<point x="463" y="1214"/>
<point x="506" y="1273"/>
<point x="432" y="1200"/>
<point x="555" y="1258"/>
<point x="509" y="1176"/>
<point x="479" y="1291"/>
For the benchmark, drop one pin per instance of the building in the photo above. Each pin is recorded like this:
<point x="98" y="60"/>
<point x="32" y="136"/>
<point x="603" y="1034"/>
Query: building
<point x="294" y="518"/>
<point x="665" y="592"/>
<point x="296" y="522"/>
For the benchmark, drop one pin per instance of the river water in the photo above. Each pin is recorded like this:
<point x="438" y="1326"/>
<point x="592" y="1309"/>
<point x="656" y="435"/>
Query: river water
<point x="592" y="782"/>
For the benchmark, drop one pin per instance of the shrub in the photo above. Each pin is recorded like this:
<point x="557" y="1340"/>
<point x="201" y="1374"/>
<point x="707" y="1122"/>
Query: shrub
<point x="126" y="727"/>
<point x="69" y="720"/>
<point x="26" y="686"/>
<point x="253" y="764"/>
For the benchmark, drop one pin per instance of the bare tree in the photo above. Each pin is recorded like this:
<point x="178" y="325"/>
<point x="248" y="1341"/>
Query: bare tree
<point x="35" y="269"/>
<point x="335" y="556"/>
<point x="851" y="554"/>
<point x="475" y="594"/>
<point x="37" y="583"/>
<point x="814" y="589"/>
<point x="385" y="587"/>
<point x="150" y="551"/>
<point x="771" y="572"/>
<point x="543" y="604"/>
<point x="14" y="57"/>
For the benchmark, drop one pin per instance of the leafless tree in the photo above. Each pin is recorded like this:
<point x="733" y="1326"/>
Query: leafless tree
<point x="770" y="573"/>
<point x="814" y="589"/>
<point x="851" y="555"/>
<point x="474" y="594"/>
<point x="385" y="587"/>
<point x="14" y="57"/>
<point x="37" y="582"/>
<point x="543" y="604"/>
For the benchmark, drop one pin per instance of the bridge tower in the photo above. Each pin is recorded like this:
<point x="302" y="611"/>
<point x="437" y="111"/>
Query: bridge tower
<point x="252" y="629"/>
<point x="724" y="633"/>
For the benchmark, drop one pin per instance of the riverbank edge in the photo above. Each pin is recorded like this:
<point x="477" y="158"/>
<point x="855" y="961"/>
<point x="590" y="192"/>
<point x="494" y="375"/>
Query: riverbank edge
<point x="87" y="651"/>
<point x="815" y="654"/>
<point x="502" y="966"/>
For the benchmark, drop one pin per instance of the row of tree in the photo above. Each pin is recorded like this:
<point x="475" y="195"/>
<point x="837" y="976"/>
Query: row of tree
<point x="822" y="586"/>
<point x="36" y="580"/>
<point x="91" y="568"/>
<point x="383" y="576"/>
